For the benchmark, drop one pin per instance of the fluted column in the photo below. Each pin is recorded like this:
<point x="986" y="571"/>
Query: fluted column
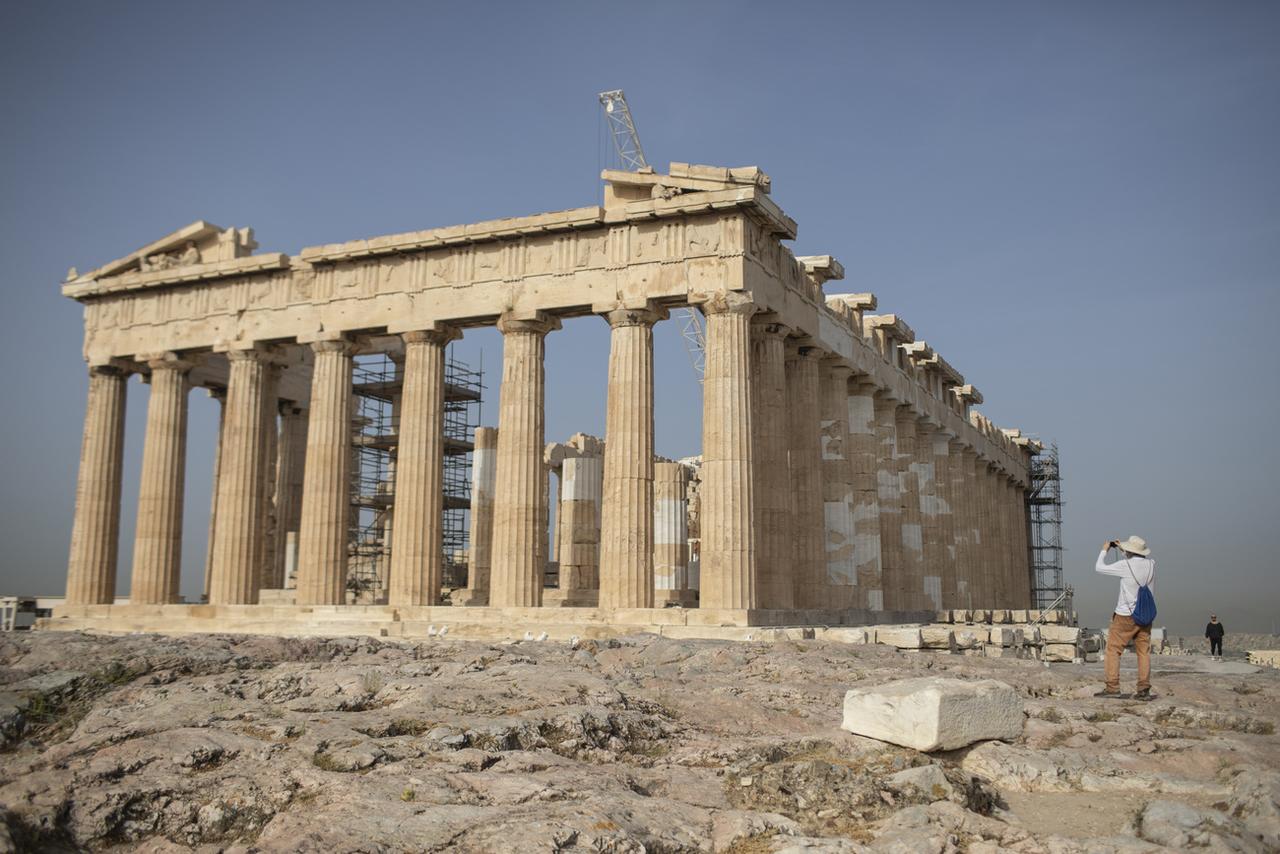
<point x="265" y="560"/>
<point x="417" y="556"/>
<point x="950" y="487"/>
<point x="581" y="491"/>
<point x="728" y="541"/>
<point x="969" y="584"/>
<point x="804" y="402"/>
<point x="1024" y="545"/>
<point x="775" y="588"/>
<point x="892" y="582"/>
<point x="840" y="578"/>
<point x="291" y="460"/>
<point x="926" y="477"/>
<point x="220" y="395"/>
<point x="671" y="533"/>
<point x="993" y="557"/>
<point x="484" y="467"/>
<point x="864" y="502"/>
<point x="326" y="480"/>
<point x="626" y="525"/>
<point x="95" y="533"/>
<point x="157" y="542"/>
<point x="238" y="534"/>
<point x="519" y="512"/>
<point x="912" y="593"/>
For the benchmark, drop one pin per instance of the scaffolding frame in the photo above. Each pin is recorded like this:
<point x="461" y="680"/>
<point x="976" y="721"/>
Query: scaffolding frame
<point x="1044" y="513"/>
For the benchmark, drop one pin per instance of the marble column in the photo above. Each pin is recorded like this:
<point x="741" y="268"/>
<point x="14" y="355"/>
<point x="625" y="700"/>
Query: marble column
<point x="417" y="550"/>
<point x="947" y="552"/>
<point x="804" y="397"/>
<point x="484" y="467"/>
<point x="864" y="498"/>
<point x="993" y="555"/>
<point x="220" y="395"/>
<point x="671" y="534"/>
<point x="291" y="460"/>
<point x="840" y="569"/>
<point x="326" y="479"/>
<point x="772" y="485"/>
<point x="727" y="497"/>
<point x="519" y="514"/>
<point x="955" y="537"/>
<point x="969" y="585"/>
<point x="157" y="542"/>
<point x="581" y="491"/>
<point x="238" y="534"/>
<point x="95" y="533"/>
<point x="925" y="470"/>
<point x="265" y="559"/>
<point x="889" y="494"/>
<point x="911" y="593"/>
<point x="626" y="526"/>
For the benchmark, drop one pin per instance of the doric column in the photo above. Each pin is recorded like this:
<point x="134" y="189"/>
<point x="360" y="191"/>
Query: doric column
<point x="157" y="542"/>
<point x="804" y="395"/>
<point x="265" y="560"/>
<point x="1024" y="545"/>
<point x="626" y="525"/>
<point x="948" y="464"/>
<point x="774" y="586"/>
<point x="326" y="480"/>
<point x="912" y="579"/>
<point x="238" y="533"/>
<point x="925" y="470"/>
<point x="95" y="534"/>
<point x="220" y="395"/>
<point x="291" y="460"/>
<point x="519" y="512"/>
<point x="728" y="542"/>
<point x="864" y="502"/>
<point x="993" y="556"/>
<point x="671" y="533"/>
<point x="417" y="550"/>
<point x="840" y="573"/>
<point x="484" y="467"/>
<point x="968" y="581"/>
<point x="581" y="489"/>
<point x="892" y="582"/>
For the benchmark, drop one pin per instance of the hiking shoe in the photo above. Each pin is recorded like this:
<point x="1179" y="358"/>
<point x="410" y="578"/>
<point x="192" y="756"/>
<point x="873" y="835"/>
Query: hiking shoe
<point x="1114" y="695"/>
<point x="1144" y="694"/>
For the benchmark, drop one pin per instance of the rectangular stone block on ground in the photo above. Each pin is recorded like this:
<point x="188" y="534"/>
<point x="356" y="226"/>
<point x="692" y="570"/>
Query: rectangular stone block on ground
<point x="842" y="635"/>
<point x="937" y="637"/>
<point x="934" y="713"/>
<point x="1001" y="636"/>
<point x="902" y="638"/>
<point x="1018" y="616"/>
<point x="1058" y="652"/>
<point x="967" y="639"/>
<point x="1059" y="634"/>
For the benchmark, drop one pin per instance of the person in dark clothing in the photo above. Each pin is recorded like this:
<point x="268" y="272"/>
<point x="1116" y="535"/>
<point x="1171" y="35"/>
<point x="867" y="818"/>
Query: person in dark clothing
<point x="1214" y="632"/>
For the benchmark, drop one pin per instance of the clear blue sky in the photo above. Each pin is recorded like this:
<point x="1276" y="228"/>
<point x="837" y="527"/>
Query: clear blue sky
<point x="1077" y="204"/>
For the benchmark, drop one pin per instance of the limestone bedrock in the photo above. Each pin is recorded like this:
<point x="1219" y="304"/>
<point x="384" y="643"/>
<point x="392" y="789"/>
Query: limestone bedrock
<point x="934" y="713"/>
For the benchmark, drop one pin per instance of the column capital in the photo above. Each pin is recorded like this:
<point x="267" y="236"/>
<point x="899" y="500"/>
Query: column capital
<point x="728" y="302"/>
<point x="167" y="361"/>
<point x="114" y="369"/>
<point x="804" y="349"/>
<point x="836" y="366"/>
<point x="527" y="323"/>
<point x="345" y="346"/>
<point x="217" y="392"/>
<point x="767" y="323"/>
<point x="434" y="333"/>
<point x="620" y="314"/>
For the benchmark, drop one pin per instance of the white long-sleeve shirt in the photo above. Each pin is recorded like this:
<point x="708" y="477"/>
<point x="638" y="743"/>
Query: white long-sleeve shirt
<point x="1143" y="571"/>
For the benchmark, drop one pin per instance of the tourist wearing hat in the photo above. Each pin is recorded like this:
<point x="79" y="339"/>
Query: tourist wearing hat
<point x="1215" y="633"/>
<point x="1135" y="568"/>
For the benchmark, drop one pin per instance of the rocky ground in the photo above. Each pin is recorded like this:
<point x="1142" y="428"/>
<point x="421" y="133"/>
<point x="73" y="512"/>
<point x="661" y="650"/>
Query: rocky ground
<point x="640" y="744"/>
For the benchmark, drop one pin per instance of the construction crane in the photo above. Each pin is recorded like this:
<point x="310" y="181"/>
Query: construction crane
<point x="626" y="143"/>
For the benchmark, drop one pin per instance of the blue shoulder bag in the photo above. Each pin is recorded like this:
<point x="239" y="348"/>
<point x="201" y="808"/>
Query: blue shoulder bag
<point x="1144" y="608"/>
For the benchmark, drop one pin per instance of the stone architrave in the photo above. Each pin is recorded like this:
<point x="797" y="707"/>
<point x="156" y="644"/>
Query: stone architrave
<point x="238" y="534"/>
<point x="484" y="468"/>
<point x="417" y="546"/>
<point x="671" y="534"/>
<point x="841" y="588"/>
<point x="911" y="591"/>
<point x="804" y="396"/>
<point x="864" y="502"/>
<point x="519" y="512"/>
<point x="890" y="497"/>
<point x="157" y="544"/>
<point x="581" y="491"/>
<point x="774" y="521"/>
<point x="91" y="568"/>
<point x="727" y="492"/>
<point x="926" y="478"/>
<point x="326" y="499"/>
<point x="291" y="460"/>
<point x="626" y="526"/>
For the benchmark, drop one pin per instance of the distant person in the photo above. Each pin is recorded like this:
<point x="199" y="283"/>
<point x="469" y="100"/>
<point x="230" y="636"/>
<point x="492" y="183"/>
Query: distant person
<point x="1215" y="633"/>
<point x="1134" y="567"/>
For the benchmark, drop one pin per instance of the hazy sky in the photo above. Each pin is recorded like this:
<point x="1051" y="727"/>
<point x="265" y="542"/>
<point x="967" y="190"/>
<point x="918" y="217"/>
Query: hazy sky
<point x="1077" y="204"/>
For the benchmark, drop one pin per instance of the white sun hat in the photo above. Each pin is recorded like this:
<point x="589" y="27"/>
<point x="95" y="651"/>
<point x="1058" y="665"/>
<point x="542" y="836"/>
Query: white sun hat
<point x="1135" y="545"/>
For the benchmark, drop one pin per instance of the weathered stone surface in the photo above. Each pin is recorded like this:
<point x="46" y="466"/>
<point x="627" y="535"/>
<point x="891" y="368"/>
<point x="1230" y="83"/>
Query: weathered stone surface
<point x="937" y="637"/>
<point x="902" y="638"/>
<point x="1059" y="634"/>
<point x="1058" y="652"/>
<point x="934" y="713"/>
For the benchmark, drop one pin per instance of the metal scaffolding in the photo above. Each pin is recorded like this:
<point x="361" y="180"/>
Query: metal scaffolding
<point x="1044" y="511"/>
<point x="377" y="381"/>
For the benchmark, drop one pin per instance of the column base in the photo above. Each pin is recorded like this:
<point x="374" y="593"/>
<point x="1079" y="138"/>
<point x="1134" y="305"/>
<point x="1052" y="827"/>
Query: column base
<point x="470" y="598"/>
<point x="669" y="598"/>
<point x="580" y="598"/>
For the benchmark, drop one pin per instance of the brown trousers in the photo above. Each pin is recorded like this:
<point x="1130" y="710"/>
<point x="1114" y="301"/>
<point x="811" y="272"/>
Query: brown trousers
<point x="1124" y="629"/>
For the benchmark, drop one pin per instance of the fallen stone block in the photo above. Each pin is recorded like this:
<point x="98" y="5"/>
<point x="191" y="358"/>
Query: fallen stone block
<point x="1031" y="635"/>
<point x="1058" y="652"/>
<point x="979" y="616"/>
<point x="967" y="639"/>
<point x="902" y="638"/>
<point x="942" y="617"/>
<point x="934" y="713"/>
<point x="1018" y="616"/>
<point x="842" y="635"/>
<point x="1059" y="634"/>
<point x="961" y="616"/>
<point x="1000" y="616"/>
<point x="1054" y="616"/>
<point x="1090" y="643"/>
<point x="993" y="650"/>
<point x="937" y="637"/>
<point x="1001" y="636"/>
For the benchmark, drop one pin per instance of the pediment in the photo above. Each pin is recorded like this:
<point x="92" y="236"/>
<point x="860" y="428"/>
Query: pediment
<point x="198" y="243"/>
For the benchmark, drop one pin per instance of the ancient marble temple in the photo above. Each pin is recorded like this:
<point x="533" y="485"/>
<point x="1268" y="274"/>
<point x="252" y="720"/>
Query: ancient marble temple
<point x="845" y="476"/>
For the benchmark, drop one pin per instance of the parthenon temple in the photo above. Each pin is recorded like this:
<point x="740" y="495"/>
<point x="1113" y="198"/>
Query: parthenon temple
<point x="844" y="476"/>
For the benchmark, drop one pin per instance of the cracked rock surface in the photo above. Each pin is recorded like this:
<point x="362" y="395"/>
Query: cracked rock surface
<point x="642" y="744"/>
